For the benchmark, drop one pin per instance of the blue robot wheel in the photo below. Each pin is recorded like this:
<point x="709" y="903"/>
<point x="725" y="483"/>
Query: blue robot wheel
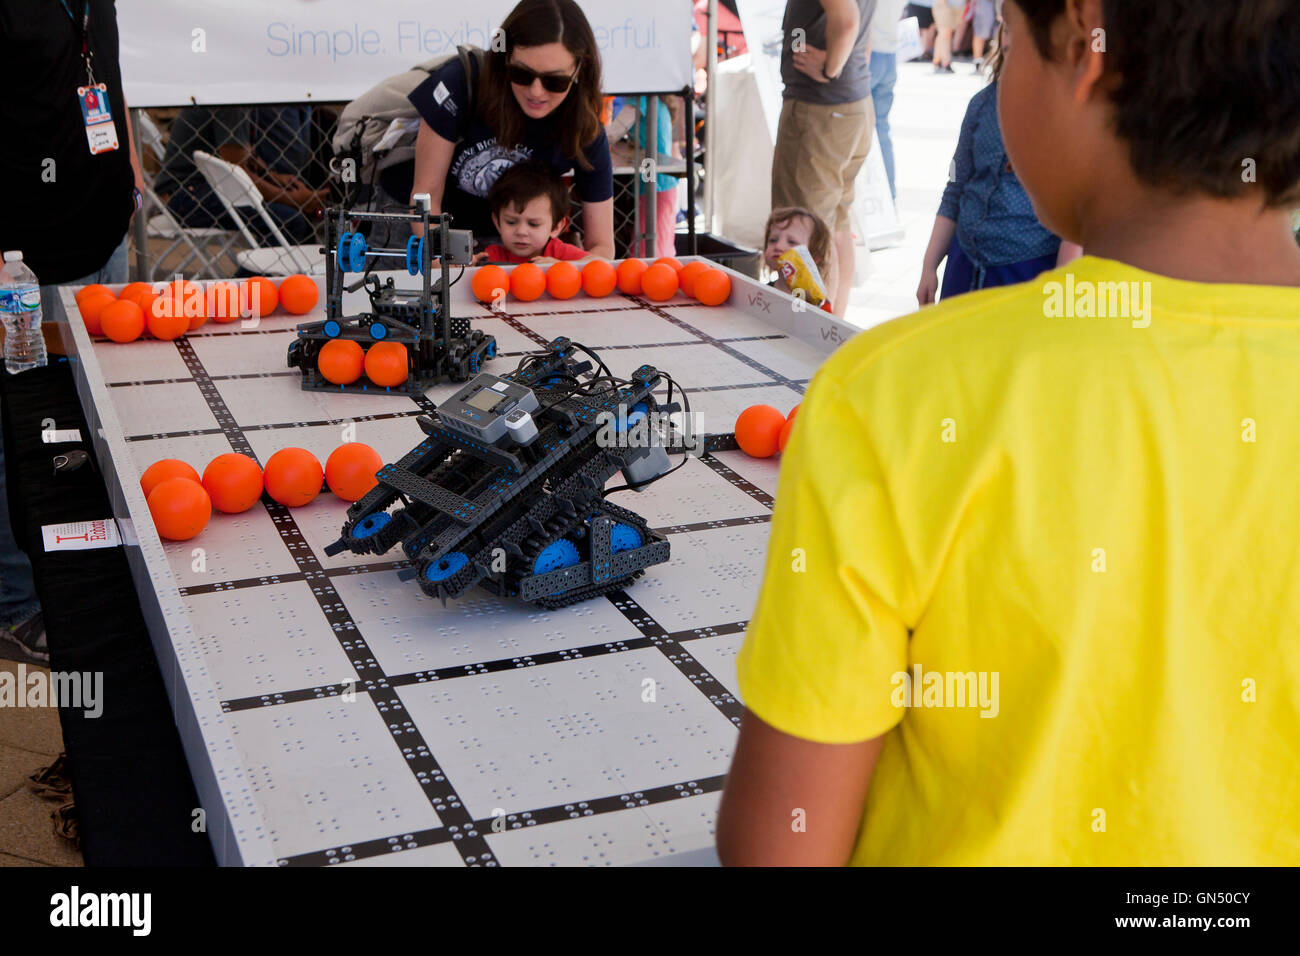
<point x="371" y="524"/>
<point x="491" y="350"/>
<point x="351" y="254"/>
<point x="446" y="566"/>
<point x="556" y="555"/>
<point x="415" y="255"/>
<point x="623" y="537"/>
<point x="379" y="331"/>
<point x="332" y="329"/>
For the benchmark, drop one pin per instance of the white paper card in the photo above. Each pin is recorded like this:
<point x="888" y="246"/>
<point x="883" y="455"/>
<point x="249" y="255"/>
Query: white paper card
<point x="81" y="535"/>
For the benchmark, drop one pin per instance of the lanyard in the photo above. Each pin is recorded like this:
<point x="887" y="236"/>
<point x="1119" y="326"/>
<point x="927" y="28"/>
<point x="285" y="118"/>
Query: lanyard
<point x="84" y="31"/>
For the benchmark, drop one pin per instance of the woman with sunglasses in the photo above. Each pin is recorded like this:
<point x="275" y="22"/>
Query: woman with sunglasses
<point x="537" y="99"/>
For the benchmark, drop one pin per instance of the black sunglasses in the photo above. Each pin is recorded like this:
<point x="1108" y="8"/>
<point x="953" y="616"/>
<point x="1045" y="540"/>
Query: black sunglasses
<point x="551" y="82"/>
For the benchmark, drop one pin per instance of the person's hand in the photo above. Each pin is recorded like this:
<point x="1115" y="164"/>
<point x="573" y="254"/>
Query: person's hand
<point x="928" y="288"/>
<point x="478" y="259"/>
<point x="544" y="260"/>
<point x="812" y="62"/>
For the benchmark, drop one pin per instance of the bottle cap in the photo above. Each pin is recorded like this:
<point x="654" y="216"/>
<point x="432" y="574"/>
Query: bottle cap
<point x="13" y="255"/>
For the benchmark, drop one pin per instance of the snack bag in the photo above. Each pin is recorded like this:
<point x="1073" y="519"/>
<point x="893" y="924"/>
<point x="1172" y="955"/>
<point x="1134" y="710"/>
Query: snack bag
<point x="799" y="271"/>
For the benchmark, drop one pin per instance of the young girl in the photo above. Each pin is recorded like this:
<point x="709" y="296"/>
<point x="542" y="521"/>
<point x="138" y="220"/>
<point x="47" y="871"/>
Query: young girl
<point x="986" y="225"/>
<point x="794" y="226"/>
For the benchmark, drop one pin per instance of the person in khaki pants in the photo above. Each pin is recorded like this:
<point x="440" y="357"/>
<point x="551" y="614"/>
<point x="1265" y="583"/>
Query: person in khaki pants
<point x="826" y="120"/>
<point x="947" y="14"/>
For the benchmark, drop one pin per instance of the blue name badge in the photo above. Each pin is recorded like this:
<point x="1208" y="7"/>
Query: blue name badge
<point x="101" y="131"/>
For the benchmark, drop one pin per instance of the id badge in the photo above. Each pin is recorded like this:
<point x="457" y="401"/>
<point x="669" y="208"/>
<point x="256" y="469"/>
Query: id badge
<point x="101" y="131"/>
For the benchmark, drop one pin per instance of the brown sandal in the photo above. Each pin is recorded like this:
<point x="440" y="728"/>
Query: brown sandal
<point x="65" y="823"/>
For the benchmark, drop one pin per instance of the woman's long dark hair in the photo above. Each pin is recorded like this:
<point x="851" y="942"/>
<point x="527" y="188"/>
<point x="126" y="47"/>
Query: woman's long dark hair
<point x="577" y="119"/>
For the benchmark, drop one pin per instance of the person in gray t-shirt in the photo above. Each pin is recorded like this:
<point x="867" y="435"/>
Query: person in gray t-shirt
<point x="826" y="120"/>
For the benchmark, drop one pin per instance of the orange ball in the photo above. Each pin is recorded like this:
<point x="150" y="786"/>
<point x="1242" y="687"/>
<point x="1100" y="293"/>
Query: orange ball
<point x="258" y="296"/>
<point x="387" y="364"/>
<point x="234" y="482"/>
<point x="630" y="272"/>
<point x="713" y="287"/>
<point x="92" y="307"/>
<point x="293" y="476"/>
<point x="350" y="470"/>
<point x="758" y="431"/>
<point x="563" y="280"/>
<point x="490" y="284"/>
<point x="341" y="360"/>
<point x="659" y="282"/>
<point x="298" y="294"/>
<point x="93" y="289"/>
<point x="185" y="298"/>
<point x="134" y="289"/>
<point x="222" y="302"/>
<point x="180" y="508"/>
<point x="784" y="435"/>
<point x="162" y="324"/>
<point x="527" y="282"/>
<point x="675" y="264"/>
<point x="794" y="411"/>
<point x="690" y="272"/>
<point x="163" y="469"/>
<point x="122" y="321"/>
<point x="599" y="278"/>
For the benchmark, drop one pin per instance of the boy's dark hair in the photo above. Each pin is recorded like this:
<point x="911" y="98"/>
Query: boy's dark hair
<point x="521" y="184"/>
<point x="1204" y="86"/>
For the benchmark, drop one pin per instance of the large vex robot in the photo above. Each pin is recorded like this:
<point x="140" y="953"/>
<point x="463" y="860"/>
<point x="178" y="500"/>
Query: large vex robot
<point x="438" y="345"/>
<point x="508" y="488"/>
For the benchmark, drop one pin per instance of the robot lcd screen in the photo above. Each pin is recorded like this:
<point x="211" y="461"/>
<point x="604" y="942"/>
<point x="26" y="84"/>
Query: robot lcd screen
<point x="484" y="400"/>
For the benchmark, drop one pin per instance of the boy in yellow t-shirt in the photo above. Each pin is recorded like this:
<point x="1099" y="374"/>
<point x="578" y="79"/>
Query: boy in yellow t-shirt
<point x="1033" y="588"/>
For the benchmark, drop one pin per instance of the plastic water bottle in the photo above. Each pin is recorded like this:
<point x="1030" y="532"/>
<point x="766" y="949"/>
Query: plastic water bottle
<point x="20" y="309"/>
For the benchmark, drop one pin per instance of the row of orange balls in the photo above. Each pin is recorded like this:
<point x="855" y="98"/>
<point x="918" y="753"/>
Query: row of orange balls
<point x="659" y="281"/>
<point x="386" y="364"/>
<point x="181" y="502"/>
<point x="762" y="431"/>
<point x="169" y="311"/>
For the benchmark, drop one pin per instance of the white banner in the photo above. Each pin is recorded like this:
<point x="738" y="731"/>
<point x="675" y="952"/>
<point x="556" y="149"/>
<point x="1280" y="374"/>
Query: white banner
<point x="273" y="51"/>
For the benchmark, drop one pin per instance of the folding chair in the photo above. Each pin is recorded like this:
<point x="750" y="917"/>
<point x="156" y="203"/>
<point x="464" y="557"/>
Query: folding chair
<point x="235" y="188"/>
<point x="165" y="225"/>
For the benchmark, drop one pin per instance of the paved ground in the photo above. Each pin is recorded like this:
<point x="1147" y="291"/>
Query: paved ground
<point x="926" y="118"/>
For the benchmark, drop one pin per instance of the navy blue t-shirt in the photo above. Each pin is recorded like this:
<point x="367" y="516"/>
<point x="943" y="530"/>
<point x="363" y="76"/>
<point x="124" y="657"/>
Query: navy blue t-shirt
<point x="479" y="160"/>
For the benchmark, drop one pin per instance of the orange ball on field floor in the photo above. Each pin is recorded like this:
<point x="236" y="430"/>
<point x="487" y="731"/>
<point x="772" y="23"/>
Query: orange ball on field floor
<point x="233" y="482"/>
<point x="599" y="278"/>
<point x="122" y="321"/>
<point x="162" y="324"/>
<point x="293" y="477"/>
<point x="674" y="264"/>
<point x="783" y="435"/>
<point x="350" y="470"/>
<point x="713" y="287"/>
<point x="340" y="361"/>
<point x="688" y="275"/>
<point x="92" y="307"/>
<point x="185" y="298"/>
<point x="490" y="284"/>
<point x="527" y="282"/>
<point x="163" y="469"/>
<point x="258" y="296"/>
<point x="222" y="302"/>
<point x="659" y="282"/>
<point x="93" y="289"/>
<point x="758" y="431"/>
<point x="387" y="364"/>
<point x="134" y="289"/>
<point x="298" y="294"/>
<point x="563" y="280"/>
<point x="630" y="272"/>
<point x="794" y="411"/>
<point x="180" y="508"/>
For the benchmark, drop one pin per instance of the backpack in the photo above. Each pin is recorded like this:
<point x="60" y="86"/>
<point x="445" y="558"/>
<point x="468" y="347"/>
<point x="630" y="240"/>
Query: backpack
<point x="378" y="128"/>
